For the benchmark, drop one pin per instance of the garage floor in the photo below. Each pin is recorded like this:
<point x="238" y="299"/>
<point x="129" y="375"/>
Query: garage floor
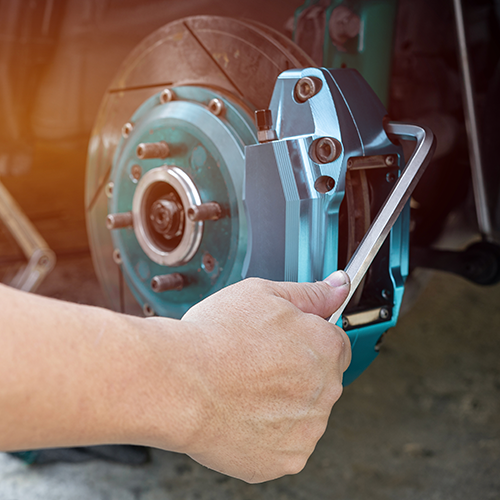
<point x="422" y="423"/>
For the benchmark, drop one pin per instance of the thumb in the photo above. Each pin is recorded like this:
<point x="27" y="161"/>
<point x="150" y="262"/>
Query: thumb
<point x="322" y="298"/>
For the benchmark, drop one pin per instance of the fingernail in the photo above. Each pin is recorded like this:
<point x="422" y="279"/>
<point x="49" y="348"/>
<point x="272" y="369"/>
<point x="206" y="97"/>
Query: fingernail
<point x="338" y="279"/>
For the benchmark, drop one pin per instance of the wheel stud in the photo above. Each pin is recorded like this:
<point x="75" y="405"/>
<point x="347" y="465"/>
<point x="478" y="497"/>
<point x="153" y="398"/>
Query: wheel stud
<point x="164" y="282"/>
<point x="205" y="211"/>
<point x="146" y="150"/>
<point x="120" y="220"/>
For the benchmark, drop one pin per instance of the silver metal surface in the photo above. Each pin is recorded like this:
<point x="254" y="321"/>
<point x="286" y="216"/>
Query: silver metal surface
<point x="478" y="181"/>
<point x="41" y="259"/>
<point x="190" y="198"/>
<point x="399" y="195"/>
<point x="205" y="211"/>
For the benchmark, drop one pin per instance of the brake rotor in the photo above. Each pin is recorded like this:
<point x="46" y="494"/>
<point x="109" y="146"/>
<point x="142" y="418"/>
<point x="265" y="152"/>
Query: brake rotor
<point x="193" y="85"/>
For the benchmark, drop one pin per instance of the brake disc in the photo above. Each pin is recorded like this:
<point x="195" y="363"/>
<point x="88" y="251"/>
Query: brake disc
<point x="191" y="87"/>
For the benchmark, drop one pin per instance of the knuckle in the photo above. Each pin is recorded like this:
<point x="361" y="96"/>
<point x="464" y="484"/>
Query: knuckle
<point x="296" y="464"/>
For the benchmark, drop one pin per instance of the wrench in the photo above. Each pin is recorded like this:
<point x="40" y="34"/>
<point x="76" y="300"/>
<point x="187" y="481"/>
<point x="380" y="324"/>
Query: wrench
<point x="388" y="214"/>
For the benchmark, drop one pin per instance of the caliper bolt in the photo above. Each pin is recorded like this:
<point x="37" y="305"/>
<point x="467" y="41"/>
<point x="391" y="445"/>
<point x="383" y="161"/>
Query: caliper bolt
<point x="205" y="211"/>
<point x="164" y="282"/>
<point x="389" y="160"/>
<point x="345" y="323"/>
<point x="325" y="150"/>
<point x="126" y="129"/>
<point x="264" y="121"/>
<point x="146" y="150"/>
<point x="384" y="313"/>
<point x="306" y="88"/>
<point x="167" y="95"/>
<point x="120" y="220"/>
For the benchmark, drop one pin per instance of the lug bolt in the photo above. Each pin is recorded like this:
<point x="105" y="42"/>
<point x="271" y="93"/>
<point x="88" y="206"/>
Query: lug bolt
<point x="120" y="220"/>
<point x="306" y="88"/>
<point x="384" y="313"/>
<point x="164" y="282"/>
<point x="146" y="150"/>
<point x="325" y="150"/>
<point x="167" y="95"/>
<point x="109" y="189"/>
<point x="205" y="211"/>
<point x="216" y="106"/>
<point x="126" y="129"/>
<point x="117" y="257"/>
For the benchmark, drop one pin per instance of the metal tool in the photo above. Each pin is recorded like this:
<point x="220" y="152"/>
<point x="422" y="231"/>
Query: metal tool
<point x="397" y="199"/>
<point x="41" y="259"/>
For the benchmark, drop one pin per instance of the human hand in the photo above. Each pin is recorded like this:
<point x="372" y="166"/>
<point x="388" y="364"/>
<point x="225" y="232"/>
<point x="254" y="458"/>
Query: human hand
<point x="272" y="370"/>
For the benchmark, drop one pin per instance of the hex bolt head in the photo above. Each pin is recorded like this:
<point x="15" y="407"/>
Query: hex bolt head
<point x="216" y="106"/>
<point x="306" y="88"/>
<point x="147" y="150"/>
<point x="165" y="282"/>
<point x="109" y="189"/>
<point x="325" y="150"/>
<point x="119" y="221"/>
<point x="167" y="95"/>
<point x="117" y="257"/>
<point x="126" y="129"/>
<point x="345" y="323"/>
<point x="384" y="313"/>
<point x="264" y="122"/>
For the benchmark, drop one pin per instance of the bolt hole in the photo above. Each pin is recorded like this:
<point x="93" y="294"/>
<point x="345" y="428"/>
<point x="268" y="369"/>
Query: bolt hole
<point x="324" y="184"/>
<point x="148" y="310"/>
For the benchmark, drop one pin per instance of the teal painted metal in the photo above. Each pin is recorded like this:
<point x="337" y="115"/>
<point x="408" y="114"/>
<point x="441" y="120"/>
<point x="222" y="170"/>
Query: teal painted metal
<point x="293" y="229"/>
<point x="370" y="52"/>
<point x="210" y="150"/>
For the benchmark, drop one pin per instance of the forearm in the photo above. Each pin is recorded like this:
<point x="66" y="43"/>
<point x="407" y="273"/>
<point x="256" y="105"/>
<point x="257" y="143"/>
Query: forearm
<point x="76" y="375"/>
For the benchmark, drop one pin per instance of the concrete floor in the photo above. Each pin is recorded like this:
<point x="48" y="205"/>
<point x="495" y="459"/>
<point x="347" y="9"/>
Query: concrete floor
<point x="422" y="423"/>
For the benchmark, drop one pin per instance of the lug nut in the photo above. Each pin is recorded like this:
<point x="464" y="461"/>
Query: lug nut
<point x="306" y="88"/>
<point x="205" y="211"/>
<point x="325" y="150"/>
<point x="164" y="282"/>
<point x="167" y="95"/>
<point x="216" y="106"/>
<point x="146" y="150"/>
<point x="119" y="221"/>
